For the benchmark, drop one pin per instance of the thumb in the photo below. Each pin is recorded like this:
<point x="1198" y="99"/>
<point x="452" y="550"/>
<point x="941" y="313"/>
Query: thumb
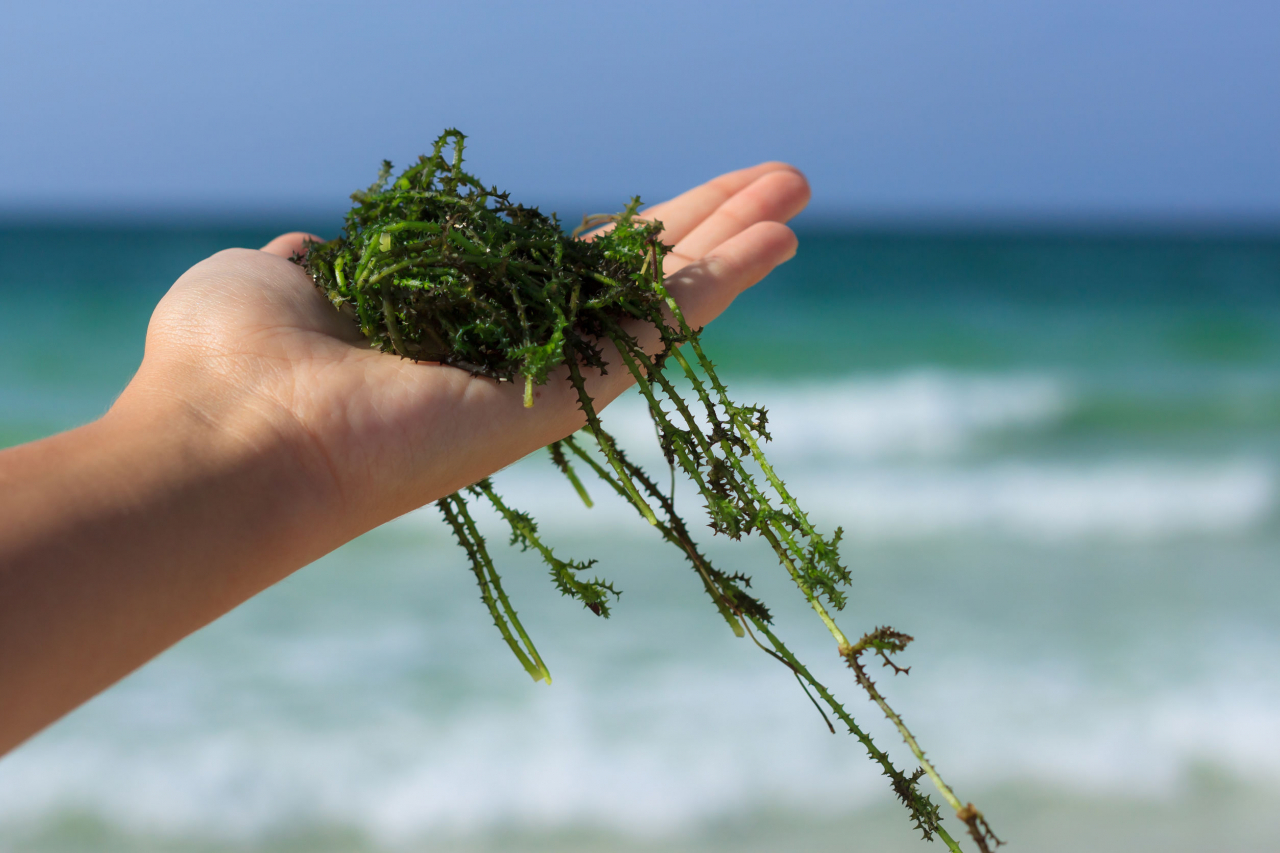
<point x="288" y="245"/>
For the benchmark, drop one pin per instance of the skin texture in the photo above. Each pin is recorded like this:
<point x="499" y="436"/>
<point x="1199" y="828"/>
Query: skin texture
<point x="260" y="433"/>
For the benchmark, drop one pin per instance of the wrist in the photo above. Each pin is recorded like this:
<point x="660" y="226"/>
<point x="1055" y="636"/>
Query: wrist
<point x="237" y="461"/>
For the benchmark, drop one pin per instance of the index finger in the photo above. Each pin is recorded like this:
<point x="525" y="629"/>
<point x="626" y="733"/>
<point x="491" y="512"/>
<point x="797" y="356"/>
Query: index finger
<point x="686" y="211"/>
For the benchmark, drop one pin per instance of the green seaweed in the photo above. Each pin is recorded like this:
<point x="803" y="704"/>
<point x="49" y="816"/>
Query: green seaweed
<point x="435" y="267"/>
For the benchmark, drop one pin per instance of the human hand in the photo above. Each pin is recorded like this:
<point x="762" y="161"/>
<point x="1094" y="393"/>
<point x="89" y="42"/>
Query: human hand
<point x="255" y="348"/>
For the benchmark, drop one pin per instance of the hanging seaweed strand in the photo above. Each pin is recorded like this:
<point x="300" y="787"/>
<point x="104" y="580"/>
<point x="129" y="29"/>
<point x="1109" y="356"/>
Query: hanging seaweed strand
<point x="435" y="267"/>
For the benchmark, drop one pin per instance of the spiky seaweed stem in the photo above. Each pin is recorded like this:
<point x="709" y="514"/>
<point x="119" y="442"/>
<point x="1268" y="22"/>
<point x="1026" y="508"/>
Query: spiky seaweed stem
<point x="436" y="268"/>
<point x="454" y="510"/>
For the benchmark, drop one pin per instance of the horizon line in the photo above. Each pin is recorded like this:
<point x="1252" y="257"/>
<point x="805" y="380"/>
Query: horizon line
<point x="815" y="219"/>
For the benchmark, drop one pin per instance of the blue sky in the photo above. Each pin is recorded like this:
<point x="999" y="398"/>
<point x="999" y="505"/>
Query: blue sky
<point x="1061" y="109"/>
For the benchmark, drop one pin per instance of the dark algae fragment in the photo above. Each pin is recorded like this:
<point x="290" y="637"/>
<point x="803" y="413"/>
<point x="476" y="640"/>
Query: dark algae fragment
<point x="435" y="267"/>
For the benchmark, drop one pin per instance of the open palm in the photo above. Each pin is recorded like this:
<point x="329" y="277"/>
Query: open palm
<point x="258" y="344"/>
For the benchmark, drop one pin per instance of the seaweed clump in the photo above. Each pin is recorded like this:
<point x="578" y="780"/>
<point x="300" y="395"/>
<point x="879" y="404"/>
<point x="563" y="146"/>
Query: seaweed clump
<point x="436" y="267"/>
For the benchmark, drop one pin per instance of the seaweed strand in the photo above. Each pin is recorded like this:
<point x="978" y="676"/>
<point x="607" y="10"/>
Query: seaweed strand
<point x="434" y="267"/>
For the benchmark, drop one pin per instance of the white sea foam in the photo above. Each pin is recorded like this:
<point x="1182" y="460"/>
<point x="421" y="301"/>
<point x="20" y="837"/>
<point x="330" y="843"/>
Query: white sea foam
<point x="928" y="413"/>
<point x="693" y="745"/>
<point x="894" y="457"/>
<point x="1136" y="499"/>
<point x="1128" y="499"/>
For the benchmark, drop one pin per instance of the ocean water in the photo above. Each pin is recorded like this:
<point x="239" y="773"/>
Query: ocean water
<point x="1057" y="460"/>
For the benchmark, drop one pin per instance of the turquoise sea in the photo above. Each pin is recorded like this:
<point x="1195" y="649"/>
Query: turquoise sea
<point x="1057" y="459"/>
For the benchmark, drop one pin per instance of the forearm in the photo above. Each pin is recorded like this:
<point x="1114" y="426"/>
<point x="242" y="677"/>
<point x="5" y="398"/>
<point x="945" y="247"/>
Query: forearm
<point x="125" y="535"/>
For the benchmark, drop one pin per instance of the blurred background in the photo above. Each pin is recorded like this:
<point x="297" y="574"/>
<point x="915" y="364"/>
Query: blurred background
<point x="1028" y="356"/>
